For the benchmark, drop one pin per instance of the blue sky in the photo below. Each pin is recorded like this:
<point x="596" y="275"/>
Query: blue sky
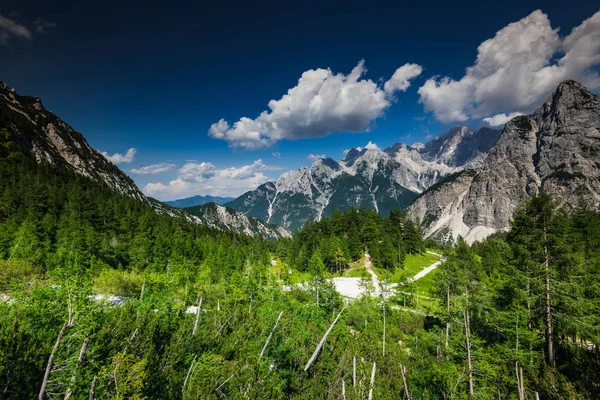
<point x="156" y="76"/>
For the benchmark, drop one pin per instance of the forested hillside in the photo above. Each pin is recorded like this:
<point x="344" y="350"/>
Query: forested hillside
<point x="338" y="240"/>
<point x="102" y="298"/>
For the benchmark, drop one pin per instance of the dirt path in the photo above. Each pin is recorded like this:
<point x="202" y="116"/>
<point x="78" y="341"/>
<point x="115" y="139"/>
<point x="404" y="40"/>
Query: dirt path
<point x="368" y="265"/>
<point x="350" y="287"/>
<point x="427" y="270"/>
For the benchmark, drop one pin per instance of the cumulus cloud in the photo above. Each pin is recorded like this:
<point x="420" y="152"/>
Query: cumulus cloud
<point x="369" y="146"/>
<point x="11" y="29"/>
<point x="500" y="119"/>
<point x="197" y="172"/>
<point x="320" y="104"/>
<point x="119" y="158"/>
<point x="315" y="157"/>
<point x="400" y="81"/>
<point x="517" y="70"/>
<point x="204" y="178"/>
<point x="154" y="169"/>
<point x="276" y="154"/>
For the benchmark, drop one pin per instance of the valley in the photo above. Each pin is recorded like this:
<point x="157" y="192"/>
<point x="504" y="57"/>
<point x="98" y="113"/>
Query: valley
<point x="456" y="262"/>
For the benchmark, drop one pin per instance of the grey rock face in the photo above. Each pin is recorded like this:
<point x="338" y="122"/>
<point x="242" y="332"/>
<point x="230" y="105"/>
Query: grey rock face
<point x="557" y="150"/>
<point x="228" y="219"/>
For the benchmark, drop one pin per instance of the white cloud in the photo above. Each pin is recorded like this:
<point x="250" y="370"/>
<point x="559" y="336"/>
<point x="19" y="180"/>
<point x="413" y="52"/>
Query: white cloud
<point x="276" y="154"/>
<point x="154" y="169"/>
<point x="400" y="81"/>
<point x="11" y="29"/>
<point x="119" y="158"/>
<point x="197" y="172"/>
<point x="369" y="146"/>
<point x="321" y="103"/>
<point x="247" y="171"/>
<point x="500" y="119"/>
<point x="517" y="70"/>
<point x="345" y="151"/>
<point x="204" y="178"/>
<point x="315" y="157"/>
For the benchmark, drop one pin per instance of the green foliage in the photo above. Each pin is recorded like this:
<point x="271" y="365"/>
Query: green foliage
<point x="343" y="238"/>
<point x="119" y="283"/>
<point x="64" y="239"/>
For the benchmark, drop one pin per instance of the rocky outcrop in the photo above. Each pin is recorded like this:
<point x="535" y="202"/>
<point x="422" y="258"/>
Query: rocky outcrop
<point x="228" y="219"/>
<point x="557" y="150"/>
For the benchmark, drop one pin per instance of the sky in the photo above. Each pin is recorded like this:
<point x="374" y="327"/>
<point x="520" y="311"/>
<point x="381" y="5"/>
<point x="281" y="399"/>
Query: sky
<point x="219" y="97"/>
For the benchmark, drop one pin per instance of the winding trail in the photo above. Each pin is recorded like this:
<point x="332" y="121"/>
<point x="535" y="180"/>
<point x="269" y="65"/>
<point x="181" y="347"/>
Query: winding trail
<point x="350" y="287"/>
<point x="427" y="270"/>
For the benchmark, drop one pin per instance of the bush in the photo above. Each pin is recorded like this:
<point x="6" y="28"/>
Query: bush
<point x="118" y="283"/>
<point x="15" y="271"/>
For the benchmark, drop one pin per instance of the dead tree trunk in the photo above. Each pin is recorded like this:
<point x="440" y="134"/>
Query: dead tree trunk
<point x="226" y="322"/>
<point x="354" y="373"/>
<point x="383" y="304"/>
<point x="143" y="289"/>
<point x="468" y="340"/>
<point x="270" y="335"/>
<point x="549" y="336"/>
<point x="448" y="320"/>
<point x="188" y="375"/>
<point x="50" y="363"/>
<point x="197" y="317"/>
<point x="314" y="356"/>
<point x="520" y="385"/>
<point x="372" y="382"/>
<point x="406" y="392"/>
<point x="92" y="394"/>
<point x="82" y="351"/>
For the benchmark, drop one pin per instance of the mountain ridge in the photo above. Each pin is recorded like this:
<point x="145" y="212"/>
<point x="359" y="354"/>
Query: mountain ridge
<point x="45" y="138"/>
<point x="48" y="139"/>
<point x="198" y="200"/>
<point x="372" y="178"/>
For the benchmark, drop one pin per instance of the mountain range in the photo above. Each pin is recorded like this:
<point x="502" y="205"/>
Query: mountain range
<point x="198" y="201"/>
<point x="44" y="137"/>
<point x="555" y="150"/>
<point x="367" y="177"/>
<point x="463" y="183"/>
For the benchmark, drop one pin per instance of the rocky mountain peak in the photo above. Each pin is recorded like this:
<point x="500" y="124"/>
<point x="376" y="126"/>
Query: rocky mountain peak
<point x="555" y="150"/>
<point x="352" y="154"/>
<point x="328" y="162"/>
<point x="569" y="100"/>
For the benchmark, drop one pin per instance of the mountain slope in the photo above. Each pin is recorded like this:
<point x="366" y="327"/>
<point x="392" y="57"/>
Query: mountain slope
<point x="380" y="180"/>
<point x="45" y="137"/>
<point x="556" y="149"/>
<point x="228" y="219"/>
<point x="198" y="201"/>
